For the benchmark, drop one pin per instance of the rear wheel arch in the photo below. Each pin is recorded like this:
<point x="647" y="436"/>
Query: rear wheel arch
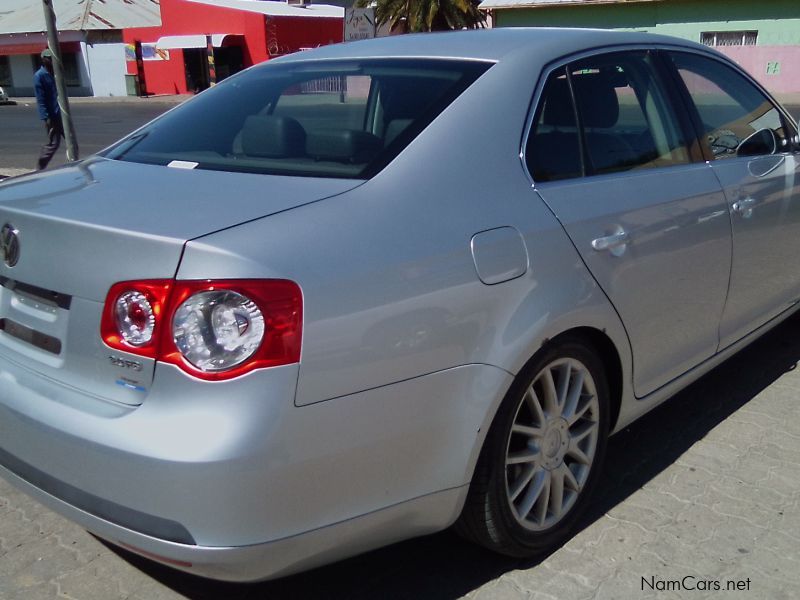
<point x="597" y="348"/>
<point x="605" y="349"/>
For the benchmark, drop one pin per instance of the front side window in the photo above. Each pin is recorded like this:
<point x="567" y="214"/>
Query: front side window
<point x="605" y="114"/>
<point x="736" y="118"/>
<point x="326" y="119"/>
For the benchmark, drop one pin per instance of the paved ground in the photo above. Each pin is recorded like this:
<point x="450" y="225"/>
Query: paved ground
<point x="704" y="489"/>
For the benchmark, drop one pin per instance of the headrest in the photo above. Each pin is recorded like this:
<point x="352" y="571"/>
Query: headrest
<point x="273" y="137"/>
<point x="408" y="98"/>
<point x="597" y="99"/>
<point x="343" y="145"/>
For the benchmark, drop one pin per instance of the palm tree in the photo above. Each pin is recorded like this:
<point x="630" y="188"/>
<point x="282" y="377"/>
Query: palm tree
<point x="412" y="16"/>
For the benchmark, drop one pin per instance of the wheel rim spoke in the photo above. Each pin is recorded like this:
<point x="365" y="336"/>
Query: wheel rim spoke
<point x="527" y="430"/>
<point x="533" y="495"/>
<point x="581" y="432"/>
<point x="564" y="377"/>
<point x="577" y="454"/>
<point x="522" y="481"/>
<point x="581" y="409"/>
<point x="556" y="492"/>
<point x="544" y="500"/>
<point x="535" y="406"/>
<point x="574" y="395"/>
<point x="522" y="457"/>
<point x="550" y="394"/>
<point x="569" y="479"/>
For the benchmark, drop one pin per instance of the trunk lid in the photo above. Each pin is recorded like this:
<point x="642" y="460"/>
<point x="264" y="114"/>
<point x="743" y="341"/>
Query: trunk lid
<point x="84" y="227"/>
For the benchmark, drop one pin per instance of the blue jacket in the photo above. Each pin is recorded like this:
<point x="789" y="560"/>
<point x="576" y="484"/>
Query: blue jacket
<point x="44" y="86"/>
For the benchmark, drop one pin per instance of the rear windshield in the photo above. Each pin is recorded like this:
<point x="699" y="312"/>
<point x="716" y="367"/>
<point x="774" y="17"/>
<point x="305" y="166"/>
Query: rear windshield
<point x="323" y="119"/>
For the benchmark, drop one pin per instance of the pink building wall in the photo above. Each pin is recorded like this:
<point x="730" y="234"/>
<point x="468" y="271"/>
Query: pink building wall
<point x="777" y="68"/>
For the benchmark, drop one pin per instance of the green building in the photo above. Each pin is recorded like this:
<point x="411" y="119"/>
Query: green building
<point x="761" y="35"/>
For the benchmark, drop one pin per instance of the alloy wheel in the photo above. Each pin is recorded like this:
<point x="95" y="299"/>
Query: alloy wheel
<point x="552" y="444"/>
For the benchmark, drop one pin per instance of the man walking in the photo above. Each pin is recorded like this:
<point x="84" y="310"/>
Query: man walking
<point x="44" y="86"/>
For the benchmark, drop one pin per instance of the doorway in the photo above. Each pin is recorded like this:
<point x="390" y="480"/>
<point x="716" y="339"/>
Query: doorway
<point x="196" y="62"/>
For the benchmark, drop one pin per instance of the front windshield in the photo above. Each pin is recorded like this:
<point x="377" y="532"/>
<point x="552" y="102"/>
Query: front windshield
<point x="322" y="119"/>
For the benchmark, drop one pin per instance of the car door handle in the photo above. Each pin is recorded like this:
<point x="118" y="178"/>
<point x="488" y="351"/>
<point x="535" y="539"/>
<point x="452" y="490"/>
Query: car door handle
<point x="744" y="207"/>
<point x="614" y="243"/>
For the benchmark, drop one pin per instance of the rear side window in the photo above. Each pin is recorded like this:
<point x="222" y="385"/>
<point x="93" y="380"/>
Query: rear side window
<point x="602" y="115"/>
<point x="325" y="119"/>
<point x="554" y="150"/>
<point x="735" y="116"/>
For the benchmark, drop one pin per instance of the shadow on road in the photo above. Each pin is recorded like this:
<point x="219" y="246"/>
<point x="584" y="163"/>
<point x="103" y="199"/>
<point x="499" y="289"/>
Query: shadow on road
<point x="442" y="566"/>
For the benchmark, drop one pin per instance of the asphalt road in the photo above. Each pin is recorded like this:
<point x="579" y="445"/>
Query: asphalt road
<point x="97" y="124"/>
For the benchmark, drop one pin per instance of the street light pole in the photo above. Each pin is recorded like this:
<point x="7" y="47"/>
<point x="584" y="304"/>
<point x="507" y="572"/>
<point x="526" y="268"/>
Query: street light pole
<point x="58" y="72"/>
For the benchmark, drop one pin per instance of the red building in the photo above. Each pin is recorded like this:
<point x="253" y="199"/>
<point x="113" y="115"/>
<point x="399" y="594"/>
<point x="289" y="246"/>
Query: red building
<point x="201" y="42"/>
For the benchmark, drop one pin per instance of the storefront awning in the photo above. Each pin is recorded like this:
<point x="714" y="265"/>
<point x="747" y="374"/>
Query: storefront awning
<point x="35" y="48"/>
<point x="9" y="49"/>
<point x="177" y="42"/>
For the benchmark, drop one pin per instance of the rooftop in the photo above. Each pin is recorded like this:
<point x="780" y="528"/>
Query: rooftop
<point x="25" y="16"/>
<point x="483" y="44"/>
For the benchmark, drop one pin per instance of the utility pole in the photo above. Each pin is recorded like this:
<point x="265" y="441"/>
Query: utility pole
<point x="58" y="72"/>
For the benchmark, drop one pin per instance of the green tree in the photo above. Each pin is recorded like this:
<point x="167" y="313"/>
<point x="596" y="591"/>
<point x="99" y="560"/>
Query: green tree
<point x="412" y="16"/>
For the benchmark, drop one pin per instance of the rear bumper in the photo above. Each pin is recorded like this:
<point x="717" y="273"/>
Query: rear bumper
<point x="277" y="558"/>
<point x="235" y="480"/>
<point x="189" y="465"/>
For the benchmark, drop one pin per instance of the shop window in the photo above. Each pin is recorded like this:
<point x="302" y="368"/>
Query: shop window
<point x="729" y="38"/>
<point x="72" y="74"/>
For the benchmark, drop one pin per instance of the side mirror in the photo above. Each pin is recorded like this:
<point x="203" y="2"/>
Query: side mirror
<point x="761" y="143"/>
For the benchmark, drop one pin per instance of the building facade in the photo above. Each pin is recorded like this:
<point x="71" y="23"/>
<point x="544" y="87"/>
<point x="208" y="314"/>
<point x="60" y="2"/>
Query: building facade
<point x="124" y="47"/>
<point x="90" y="34"/>
<point x="763" y="37"/>
<point x="200" y="42"/>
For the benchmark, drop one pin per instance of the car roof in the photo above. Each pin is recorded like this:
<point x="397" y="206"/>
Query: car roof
<point x="487" y="44"/>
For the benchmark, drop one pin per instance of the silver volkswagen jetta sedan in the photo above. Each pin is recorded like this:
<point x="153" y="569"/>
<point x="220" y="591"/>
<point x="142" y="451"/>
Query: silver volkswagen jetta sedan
<point x="366" y="292"/>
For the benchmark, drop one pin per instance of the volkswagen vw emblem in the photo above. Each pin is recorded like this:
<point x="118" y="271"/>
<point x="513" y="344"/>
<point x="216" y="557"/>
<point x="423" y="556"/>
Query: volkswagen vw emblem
<point x="9" y="244"/>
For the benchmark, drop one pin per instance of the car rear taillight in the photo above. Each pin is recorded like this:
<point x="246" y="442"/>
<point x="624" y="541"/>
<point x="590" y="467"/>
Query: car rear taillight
<point x="133" y="315"/>
<point x="213" y="330"/>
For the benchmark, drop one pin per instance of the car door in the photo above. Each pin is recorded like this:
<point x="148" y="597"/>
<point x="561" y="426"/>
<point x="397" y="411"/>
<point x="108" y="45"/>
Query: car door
<point x="752" y="149"/>
<point x="613" y="160"/>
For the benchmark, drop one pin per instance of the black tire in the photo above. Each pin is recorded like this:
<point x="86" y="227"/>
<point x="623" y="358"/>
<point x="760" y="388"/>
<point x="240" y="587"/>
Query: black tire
<point x="491" y="517"/>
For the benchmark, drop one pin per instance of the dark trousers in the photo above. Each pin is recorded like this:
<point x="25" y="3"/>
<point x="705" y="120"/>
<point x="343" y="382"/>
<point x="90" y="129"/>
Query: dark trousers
<point x="55" y="131"/>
